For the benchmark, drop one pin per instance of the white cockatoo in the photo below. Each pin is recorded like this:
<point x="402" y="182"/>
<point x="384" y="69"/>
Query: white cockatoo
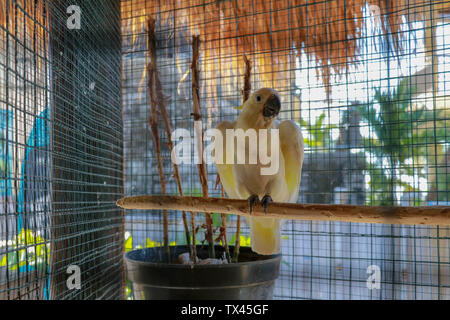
<point x="261" y="181"/>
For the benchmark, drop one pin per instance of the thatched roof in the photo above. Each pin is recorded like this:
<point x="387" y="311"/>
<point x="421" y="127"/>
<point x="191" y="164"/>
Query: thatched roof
<point x="271" y="32"/>
<point x="274" y="32"/>
<point x="12" y="18"/>
<point x="18" y="21"/>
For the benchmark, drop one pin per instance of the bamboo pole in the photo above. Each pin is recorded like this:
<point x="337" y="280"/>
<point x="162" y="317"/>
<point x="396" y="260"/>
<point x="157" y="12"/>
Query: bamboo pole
<point x="198" y="118"/>
<point x="432" y="215"/>
<point x="161" y="101"/>
<point x="223" y="228"/>
<point x="245" y="95"/>
<point x="156" y="98"/>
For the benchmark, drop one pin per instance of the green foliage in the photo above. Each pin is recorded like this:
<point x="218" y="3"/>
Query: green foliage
<point x="194" y="192"/>
<point x="319" y="133"/>
<point x="395" y="124"/>
<point x="399" y="133"/>
<point x="28" y="250"/>
<point x="391" y="124"/>
<point x="128" y="291"/>
<point x="128" y="243"/>
<point x="244" y="241"/>
<point x="148" y="243"/>
<point x="287" y="264"/>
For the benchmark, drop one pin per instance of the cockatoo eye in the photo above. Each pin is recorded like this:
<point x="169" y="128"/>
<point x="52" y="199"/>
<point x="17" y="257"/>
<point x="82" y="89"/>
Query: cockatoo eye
<point x="258" y="98"/>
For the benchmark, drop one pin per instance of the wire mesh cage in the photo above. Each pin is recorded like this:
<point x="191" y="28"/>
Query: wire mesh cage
<point x="366" y="81"/>
<point x="61" y="150"/>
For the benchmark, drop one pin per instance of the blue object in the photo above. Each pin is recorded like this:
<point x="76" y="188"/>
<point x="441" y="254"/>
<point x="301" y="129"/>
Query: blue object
<point x="39" y="137"/>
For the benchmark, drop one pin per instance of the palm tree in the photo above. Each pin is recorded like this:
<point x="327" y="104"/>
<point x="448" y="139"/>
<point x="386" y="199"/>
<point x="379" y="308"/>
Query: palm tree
<point x="319" y="133"/>
<point x="395" y="137"/>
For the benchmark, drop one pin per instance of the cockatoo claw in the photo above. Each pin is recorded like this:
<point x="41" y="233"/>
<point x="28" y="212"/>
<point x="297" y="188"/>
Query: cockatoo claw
<point x="252" y="201"/>
<point x="265" y="201"/>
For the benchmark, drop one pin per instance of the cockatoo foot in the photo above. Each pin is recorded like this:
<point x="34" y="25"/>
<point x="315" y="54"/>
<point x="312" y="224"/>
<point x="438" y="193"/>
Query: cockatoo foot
<point x="252" y="201"/>
<point x="265" y="201"/>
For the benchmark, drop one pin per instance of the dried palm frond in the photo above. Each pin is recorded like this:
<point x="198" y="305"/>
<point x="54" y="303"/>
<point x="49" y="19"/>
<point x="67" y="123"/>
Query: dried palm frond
<point x="272" y="32"/>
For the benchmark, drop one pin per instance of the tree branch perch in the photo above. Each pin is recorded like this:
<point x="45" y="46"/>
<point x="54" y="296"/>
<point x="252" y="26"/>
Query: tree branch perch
<point x="433" y="215"/>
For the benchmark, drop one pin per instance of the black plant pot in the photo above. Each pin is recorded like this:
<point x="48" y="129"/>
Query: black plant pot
<point x="252" y="278"/>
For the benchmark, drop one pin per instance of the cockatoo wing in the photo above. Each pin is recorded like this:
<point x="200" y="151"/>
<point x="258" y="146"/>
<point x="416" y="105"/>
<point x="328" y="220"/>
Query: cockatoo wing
<point x="224" y="170"/>
<point x="265" y="232"/>
<point x="291" y="144"/>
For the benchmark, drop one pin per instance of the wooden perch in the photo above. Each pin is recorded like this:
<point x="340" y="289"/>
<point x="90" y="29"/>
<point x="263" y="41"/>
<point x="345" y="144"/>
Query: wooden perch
<point x="433" y="215"/>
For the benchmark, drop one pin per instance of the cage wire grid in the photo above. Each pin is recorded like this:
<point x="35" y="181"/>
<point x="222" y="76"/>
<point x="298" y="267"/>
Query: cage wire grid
<point x="376" y="134"/>
<point x="373" y="107"/>
<point x="61" y="150"/>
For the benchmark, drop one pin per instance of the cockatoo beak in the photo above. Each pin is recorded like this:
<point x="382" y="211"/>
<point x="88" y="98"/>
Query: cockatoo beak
<point x="272" y="106"/>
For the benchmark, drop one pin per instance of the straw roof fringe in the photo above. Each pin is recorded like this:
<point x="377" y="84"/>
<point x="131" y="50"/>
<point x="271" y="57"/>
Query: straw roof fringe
<point x="15" y="19"/>
<point x="273" y="32"/>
